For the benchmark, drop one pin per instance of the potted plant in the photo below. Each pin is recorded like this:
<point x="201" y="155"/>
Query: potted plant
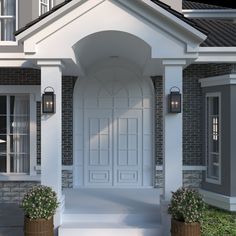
<point x="186" y="208"/>
<point x="39" y="206"/>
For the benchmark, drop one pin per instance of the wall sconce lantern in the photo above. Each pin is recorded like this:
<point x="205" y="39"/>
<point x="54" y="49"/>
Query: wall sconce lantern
<point x="49" y="101"/>
<point x="175" y="100"/>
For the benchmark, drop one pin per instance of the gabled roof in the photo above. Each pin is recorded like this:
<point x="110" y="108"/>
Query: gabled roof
<point x="187" y="5"/>
<point x="159" y="3"/>
<point x="179" y="15"/>
<point x="221" y="33"/>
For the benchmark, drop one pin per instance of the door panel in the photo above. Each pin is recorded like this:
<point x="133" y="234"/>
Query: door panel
<point x="98" y="152"/>
<point x="127" y="147"/>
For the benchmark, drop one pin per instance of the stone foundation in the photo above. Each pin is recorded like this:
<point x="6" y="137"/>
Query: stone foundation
<point x="14" y="191"/>
<point x="67" y="179"/>
<point x="191" y="179"/>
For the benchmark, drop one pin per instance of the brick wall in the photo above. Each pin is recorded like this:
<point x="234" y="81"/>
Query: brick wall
<point x="19" y="76"/>
<point x="67" y="119"/>
<point x="38" y="133"/>
<point x="158" y="88"/>
<point x="13" y="192"/>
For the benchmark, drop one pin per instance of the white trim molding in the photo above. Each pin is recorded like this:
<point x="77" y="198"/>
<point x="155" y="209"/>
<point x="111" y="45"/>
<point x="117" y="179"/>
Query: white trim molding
<point x="19" y="177"/>
<point x="64" y="167"/>
<point x="18" y="89"/>
<point x="218" y="80"/>
<point x="208" y="134"/>
<point x="216" y="54"/>
<point x="219" y="200"/>
<point x="210" y="13"/>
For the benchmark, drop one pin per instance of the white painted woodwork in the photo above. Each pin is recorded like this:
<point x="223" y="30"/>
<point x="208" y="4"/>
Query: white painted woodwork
<point x="51" y="165"/>
<point x="173" y="130"/>
<point x="113" y="134"/>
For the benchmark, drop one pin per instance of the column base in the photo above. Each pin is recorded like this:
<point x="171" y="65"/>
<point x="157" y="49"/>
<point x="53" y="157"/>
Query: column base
<point x="165" y="217"/>
<point x="58" y="215"/>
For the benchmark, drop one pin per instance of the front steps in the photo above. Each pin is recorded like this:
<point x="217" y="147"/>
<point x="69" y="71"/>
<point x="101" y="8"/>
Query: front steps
<point x="125" y="224"/>
<point x="109" y="229"/>
<point x="111" y="213"/>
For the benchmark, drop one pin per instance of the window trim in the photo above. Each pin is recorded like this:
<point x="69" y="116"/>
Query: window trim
<point x="208" y="179"/>
<point x="12" y="43"/>
<point x="34" y="95"/>
<point x="50" y="5"/>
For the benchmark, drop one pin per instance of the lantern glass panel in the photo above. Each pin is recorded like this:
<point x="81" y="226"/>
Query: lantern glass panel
<point x="48" y="102"/>
<point x="175" y="102"/>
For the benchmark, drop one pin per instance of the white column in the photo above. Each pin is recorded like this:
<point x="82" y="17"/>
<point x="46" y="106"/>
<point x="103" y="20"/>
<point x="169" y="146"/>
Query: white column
<point x="173" y="130"/>
<point x="51" y="132"/>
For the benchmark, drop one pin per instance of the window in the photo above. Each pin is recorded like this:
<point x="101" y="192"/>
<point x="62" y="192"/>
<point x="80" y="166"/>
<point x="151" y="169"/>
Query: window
<point x="213" y="146"/>
<point x="7" y="19"/>
<point x="44" y="6"/>
<point x="14" y="133"/>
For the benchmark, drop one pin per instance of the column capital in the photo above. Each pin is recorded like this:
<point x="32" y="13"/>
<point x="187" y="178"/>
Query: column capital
<point x="174" y="62"/>
<point x="57" y="63"/>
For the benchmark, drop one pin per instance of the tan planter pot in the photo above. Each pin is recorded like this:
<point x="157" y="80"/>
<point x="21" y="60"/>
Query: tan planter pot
<point x="179" y="228"/>
<point x="39" y="227"/>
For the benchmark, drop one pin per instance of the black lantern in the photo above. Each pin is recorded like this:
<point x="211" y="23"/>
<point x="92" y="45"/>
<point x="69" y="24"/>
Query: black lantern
<point x="48" y="101"/>
<point x="175" y="100"/>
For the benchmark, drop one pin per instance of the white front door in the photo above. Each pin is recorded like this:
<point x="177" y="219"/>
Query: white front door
<point x="113" y="132"/>
<point x="113" y="147"/>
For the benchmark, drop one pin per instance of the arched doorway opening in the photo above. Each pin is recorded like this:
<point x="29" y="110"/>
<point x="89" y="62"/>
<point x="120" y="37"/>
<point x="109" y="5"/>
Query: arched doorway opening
<point x="113" y="127"/>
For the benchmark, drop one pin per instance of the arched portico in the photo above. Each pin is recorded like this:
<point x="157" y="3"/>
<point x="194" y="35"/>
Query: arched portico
<point x="81" y="35"/>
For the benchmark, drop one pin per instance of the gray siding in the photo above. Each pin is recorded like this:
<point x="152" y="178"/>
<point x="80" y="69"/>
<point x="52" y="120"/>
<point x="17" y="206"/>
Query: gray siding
<point x="25" y="12"/>
<point x="224" y="187"/>
<point x="233" y="140"/>
<point x="29" y="10"/>
<point x="56" y="2"/>
<point x="228" y="141"/>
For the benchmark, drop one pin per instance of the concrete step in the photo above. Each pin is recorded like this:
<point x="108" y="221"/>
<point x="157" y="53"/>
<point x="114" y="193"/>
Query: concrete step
<point x="126" y="218"/>
<point x="109" y="229"/>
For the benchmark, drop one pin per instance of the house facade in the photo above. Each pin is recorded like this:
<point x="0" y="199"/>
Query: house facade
<point x="112" y="66"/>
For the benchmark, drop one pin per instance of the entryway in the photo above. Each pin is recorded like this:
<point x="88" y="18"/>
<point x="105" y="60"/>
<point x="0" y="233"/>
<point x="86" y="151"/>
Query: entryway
<point x="113" y="127"/>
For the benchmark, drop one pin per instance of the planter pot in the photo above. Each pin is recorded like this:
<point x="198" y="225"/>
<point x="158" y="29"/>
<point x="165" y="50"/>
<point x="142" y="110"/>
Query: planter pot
<point x="39" y="227"/>
<point x="179" y="228"/>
